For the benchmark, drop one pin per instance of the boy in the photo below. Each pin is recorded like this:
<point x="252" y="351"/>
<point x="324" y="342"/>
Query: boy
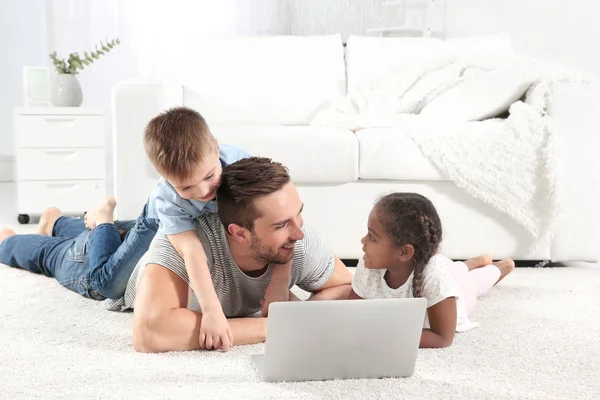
<point x="184" y="151"/>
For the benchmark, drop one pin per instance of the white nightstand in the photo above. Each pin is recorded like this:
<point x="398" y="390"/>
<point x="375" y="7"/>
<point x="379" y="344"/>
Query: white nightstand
<point x="60" y="159"/>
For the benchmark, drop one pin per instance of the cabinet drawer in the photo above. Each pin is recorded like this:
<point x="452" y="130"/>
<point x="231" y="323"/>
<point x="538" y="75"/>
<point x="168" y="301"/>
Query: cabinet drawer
<point x="69" y="196"/>
<point x="59" y="131"/>
<point x="60" y="163"/>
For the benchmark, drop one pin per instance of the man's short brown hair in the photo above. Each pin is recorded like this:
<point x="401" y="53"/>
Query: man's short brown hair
<point x="242" y="183"/>
<point x="176" y="141"/>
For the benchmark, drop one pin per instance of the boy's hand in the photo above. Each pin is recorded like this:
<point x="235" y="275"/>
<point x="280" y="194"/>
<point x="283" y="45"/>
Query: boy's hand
<point x="215" y="332"/>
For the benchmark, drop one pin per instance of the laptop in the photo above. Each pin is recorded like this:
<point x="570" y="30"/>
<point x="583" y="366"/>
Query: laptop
<point x="341" y="339"/>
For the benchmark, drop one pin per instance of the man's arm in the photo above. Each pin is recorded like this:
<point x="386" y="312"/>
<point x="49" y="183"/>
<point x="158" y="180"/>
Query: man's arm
<point x="161" y="321"/>
<point x="338" y="286"/>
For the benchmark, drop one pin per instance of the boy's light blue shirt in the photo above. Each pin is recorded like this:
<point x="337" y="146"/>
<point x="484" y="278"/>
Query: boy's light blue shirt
<point x="177" y="214"/>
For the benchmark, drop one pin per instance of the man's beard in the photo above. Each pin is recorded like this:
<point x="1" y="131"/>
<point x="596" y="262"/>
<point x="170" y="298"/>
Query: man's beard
<point x="267" y="254"/>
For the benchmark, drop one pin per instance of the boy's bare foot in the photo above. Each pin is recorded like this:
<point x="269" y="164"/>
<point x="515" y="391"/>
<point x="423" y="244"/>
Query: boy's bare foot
<point x="47" y="220"/>
<point x="506" y="266"/>
<point x="5" y="233"/>
<point x="478" y="262"/>
<point x="103" y="214"/>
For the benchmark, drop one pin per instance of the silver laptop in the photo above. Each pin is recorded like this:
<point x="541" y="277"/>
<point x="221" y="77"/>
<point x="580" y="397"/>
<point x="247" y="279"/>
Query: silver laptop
<point x="341" y="339"/>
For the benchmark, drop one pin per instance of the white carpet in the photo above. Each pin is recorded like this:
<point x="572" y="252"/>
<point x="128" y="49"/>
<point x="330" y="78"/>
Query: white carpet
<point x="539" y="338"/>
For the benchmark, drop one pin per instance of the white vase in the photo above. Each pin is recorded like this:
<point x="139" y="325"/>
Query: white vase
<point x="66" y="91"/>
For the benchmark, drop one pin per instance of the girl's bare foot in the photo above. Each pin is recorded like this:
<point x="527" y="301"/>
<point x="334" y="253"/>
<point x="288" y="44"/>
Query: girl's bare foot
<point x="478" y="262"/>
<point x="103" y="214"/>
<point x="506" y="266"/>
<point x="5" y="233"/>
<point x="47" y="220"/>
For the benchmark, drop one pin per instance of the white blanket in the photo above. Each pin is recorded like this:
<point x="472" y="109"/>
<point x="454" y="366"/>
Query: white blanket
<point x="510" y="163"/>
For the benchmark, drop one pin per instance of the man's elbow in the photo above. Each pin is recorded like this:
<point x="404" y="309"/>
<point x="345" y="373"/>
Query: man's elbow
<point x="144" y="337"/>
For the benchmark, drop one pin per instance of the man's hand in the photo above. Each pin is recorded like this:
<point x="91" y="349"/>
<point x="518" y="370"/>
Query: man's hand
<point x="215" y="332"/>
<point x="293" y="297"/>
<point x="279" y="287"/>
<point x="276" y="291"/>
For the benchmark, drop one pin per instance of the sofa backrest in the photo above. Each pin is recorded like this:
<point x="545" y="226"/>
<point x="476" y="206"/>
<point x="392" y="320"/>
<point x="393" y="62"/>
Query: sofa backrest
<point x="281" y="80"/>
<point x="368" y="57"/>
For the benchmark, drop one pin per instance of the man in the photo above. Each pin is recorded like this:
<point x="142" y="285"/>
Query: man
<point x="259" y="227"/>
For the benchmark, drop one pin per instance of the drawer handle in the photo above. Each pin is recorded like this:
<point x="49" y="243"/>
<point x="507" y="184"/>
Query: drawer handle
<point x="65" y="152"/>
<point x="62" y="185"/>
<point x="60" y="119"/>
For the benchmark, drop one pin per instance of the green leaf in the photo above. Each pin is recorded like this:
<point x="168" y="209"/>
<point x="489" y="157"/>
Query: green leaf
<point x="75" y="62"/>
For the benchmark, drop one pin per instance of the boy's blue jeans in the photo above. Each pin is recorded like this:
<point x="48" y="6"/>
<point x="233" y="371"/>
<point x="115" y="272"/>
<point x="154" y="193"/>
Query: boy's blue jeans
<point x="93" y="263"/>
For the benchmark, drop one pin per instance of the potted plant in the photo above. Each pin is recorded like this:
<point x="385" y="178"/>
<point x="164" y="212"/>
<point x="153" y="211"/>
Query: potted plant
<point x="66" y="91"/>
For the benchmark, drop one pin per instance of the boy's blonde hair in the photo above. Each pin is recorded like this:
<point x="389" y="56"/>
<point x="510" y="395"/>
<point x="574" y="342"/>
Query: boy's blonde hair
<point x="177" y="141"/>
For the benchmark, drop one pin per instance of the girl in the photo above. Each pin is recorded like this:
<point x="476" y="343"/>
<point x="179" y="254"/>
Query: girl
<point x="400" y="260"/>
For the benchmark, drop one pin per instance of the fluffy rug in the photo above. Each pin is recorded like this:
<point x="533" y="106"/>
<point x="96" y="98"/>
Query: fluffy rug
<point x="538" y="339"/>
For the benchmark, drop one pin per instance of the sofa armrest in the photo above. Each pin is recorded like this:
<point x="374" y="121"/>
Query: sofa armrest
<point x="134" y="103"/>
<point x="575" y="107"/>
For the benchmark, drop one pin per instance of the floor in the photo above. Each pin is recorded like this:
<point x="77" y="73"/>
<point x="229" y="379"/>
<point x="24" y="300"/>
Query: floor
<point x="537" y="340"/>
<point x="8" y="210"/>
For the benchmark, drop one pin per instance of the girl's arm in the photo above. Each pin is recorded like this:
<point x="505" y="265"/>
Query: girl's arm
<point x="442" y="320"/>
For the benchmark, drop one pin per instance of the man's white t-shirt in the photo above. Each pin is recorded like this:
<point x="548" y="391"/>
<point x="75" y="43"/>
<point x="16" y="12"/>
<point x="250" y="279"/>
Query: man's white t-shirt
<point x="438" y="284"/>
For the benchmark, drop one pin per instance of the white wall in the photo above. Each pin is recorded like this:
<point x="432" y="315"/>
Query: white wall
<point x="22" y="43"/>
<point x="564" y="31"/>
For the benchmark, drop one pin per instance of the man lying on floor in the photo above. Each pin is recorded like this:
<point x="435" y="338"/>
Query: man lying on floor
<point x="258" y="228"/>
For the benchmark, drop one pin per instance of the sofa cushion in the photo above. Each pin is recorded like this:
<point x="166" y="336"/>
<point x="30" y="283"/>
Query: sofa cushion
<point x="481" y="96"/>
<point x="388" y="153"/>
<point x="280" y="80"/>
<point x="312" y="154"/>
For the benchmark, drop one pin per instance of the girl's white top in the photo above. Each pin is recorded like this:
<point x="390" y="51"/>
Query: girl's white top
<point x="437" y="285"/>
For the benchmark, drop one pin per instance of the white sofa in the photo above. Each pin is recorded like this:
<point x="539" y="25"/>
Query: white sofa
<point x="262" y="93"/>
